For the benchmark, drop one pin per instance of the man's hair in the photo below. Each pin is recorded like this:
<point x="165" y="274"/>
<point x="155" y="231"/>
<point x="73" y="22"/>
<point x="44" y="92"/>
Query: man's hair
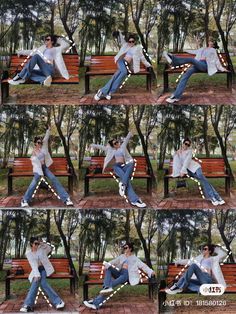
<point x="53" y="38"/>
<point x="32" y="239"/>
<point x="187" y="140"/>
<point x="38" y="138"/>
<point x="111" y="142"/>
<point x="130" y="245"/>
<point x="211" y="248"/>
<point x="133" y="36"/>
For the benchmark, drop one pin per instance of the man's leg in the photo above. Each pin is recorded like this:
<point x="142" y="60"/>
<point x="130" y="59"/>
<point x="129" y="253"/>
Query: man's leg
<point x="119" y="79"/>
<point x="46" y="69"/>
<point x="106" y="89"/>
<point x="183" y="82"/>
<point x="30" y="299"/>
<point x="199" y="64"/>
<point x="202" y="277"/>
<point x="209" y="191"/>
<point x="28" y="194"/>
<point x="52" y="295"/>
<point x="56" y="184"/>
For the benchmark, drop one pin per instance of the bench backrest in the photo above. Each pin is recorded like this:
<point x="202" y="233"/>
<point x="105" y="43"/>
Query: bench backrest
<point x="23" y="164"/>
<point x="228" y="270"/>
<point x="209" y="165"/>
<point x="100" y="63"/>
<point x="97" y="161"/>
<point x="71" y="62"/>
<point x="60" y="265"/>
<point x="97" y="272"/>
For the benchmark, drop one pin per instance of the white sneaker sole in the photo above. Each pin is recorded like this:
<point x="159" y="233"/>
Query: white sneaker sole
<point x="48" y="81"/>
<point x="11" y="82"/>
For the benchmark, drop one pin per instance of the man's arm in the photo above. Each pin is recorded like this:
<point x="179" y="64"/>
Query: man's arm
<point x="126" y="139"/>
<point x="145" y="268"/>
<point x="186" y="162"/>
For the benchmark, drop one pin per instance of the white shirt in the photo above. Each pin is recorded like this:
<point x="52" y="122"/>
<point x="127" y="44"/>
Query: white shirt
<point x="134" y="264"/>
<point x="182" y="162"/>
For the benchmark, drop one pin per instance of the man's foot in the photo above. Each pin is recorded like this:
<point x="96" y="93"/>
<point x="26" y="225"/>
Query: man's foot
<point x="16" y="80"/>
<point x="98" y="96"/>
<point x="172" y="100"/>
<point x="139" y="204"/>
<point x="214" y="202"/>
<point x="108" y="96"/>
<point x="166" y="55"/>
<point x="221" y="202"/>
<point x="121" y="189"/>
<point x="26" y="309"/>
<point x="106" y="290"/>
<point x="69" y="202"/>
<point x="173" y="290"/>
<point x="47" y="81"/>
<point x="24" y="204"/>
<point x="60" y="305"/>
<point x="89" y="305"/>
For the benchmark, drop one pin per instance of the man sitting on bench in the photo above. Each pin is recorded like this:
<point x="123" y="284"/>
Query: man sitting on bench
<point x="205" y="267"/>
<point x="41" y="160"/>
<point x="206" y="60"/>
<point x="48" y="59"/>
<point x="128" y="270"/>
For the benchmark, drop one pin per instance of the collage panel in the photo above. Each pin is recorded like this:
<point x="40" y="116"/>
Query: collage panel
<point x="117" y="156"/>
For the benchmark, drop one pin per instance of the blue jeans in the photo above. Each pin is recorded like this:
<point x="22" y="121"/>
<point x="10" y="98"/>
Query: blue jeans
<point x="124" y="173"/>
<point x="113" y="278"/>
<point x="56" y="184"/>
<point x="114" y="83"/>
<point x="209" y="191"/>
<point x="28" y="71"/>
<point x="52" y="295"/>
<point x="194" y="284"/>
<point x="197" y="66"/>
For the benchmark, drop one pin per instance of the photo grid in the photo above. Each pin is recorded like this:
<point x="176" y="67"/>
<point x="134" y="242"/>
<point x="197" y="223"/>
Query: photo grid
<point x="117" y="157"/>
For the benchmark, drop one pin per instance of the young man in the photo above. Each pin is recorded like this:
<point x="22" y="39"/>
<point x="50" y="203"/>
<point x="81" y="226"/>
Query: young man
<point x="205" y="267"/>
<point x="128" y="270"/>
<point x="44" y="62"/>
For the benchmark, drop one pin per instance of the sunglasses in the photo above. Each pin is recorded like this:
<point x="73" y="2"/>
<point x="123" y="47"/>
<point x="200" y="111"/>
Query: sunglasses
<point x="205" y="249"/>
<point x="187" y="144"/>
<point x="47" y="39"/>
<point x="36" y="243"/>
<point x="131" y="41"/>
<point x="39" y="142"/>
<point x="126" y="247"/>
<point x="116" y="142"/>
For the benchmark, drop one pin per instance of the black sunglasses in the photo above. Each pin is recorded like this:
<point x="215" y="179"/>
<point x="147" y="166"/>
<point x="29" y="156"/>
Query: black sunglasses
<point x="47" y="39"/>
<point x="36" y="243"/>
<point x="131" y="41"/>
<point x="126" y="247"/>
<point x="116" y="142"/>
<point x="187" y="144"/>
<point x="39" y="142"/>
<point x="205" y="249"/>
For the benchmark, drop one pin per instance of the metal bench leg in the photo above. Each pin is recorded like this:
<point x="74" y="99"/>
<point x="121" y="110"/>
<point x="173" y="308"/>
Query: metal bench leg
<point x="7" y="289"/>
<point x="227" y="186"/>
<point x="85" y="292"/>
<point x="70" y="184"/>
<point x="9" y="186"/>
<point x="148" y="82"/>
<point x="86" y="186"/>
<point x="86" y="82"/>
<point x="161" y="299"/>
<point x="229" y="81"/>
<point x="166" y="187"/>
<point x="166" y="82"/>
<point x="149" y="186"/>
<point x="4" y="91"/>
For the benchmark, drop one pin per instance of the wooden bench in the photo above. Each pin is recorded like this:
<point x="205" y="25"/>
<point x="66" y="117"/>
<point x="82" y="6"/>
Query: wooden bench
<point x="16" y="65"/>
<point x="95" y="276"/>
<point x="60" y="265"/>
<point x="168" y="70"/>
<point x="228" y="270"/>
<point x="211" y="167"/>
<point x="105" y="65"/>
<point x="96" y="162"/>
<point x="22" y="167"/>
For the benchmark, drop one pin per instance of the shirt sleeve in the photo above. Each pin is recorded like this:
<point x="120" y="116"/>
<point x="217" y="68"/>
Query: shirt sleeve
<point x="126" y="140"/>
<point x="114" y="262"/>
<point x="221" y="253"/>
<point x="145" y="268"/>
<point x="64" y="44"/>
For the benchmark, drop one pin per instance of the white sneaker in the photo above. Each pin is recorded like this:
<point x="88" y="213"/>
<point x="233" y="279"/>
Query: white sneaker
<point x="69" y="202"/>
<point x="24" y="309"/>
<point x="221" y="202"/>
<point x="60" y="305"/>
<point x="173" y="290"/>
<point x="121" y="189"/>
<point x="172" y="100"/>
<point x="98" y="96"/>
<point x="167" y="57"/>
<point x="139" y="204"/>
<point x="16" y="80"/>
<point x="214" y="202"/>
<point x="108" y="96"/>
<point x="48" y="81"/>
<point x="23" y="204"/>
<point x="89" y="305"/>
<point x="106" y="291"/>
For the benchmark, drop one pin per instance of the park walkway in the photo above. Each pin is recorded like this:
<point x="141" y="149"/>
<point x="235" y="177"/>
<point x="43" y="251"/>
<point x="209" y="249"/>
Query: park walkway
<point x="65" y="96"/>
<point x="99" y="201"/>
